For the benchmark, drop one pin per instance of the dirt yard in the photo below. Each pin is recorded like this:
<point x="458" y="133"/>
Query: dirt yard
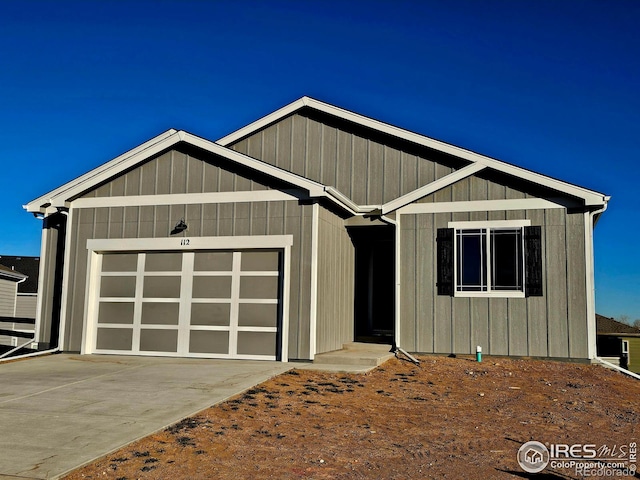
<point x="447" y="418"/>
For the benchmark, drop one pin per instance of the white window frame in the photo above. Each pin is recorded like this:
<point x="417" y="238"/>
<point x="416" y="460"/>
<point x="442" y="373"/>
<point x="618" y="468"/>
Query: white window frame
<point x="625" y="347"/>
<point x="488" y="226"/>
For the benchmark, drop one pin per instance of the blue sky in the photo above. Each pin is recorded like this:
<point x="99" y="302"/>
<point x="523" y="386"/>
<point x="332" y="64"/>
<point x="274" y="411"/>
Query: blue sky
<point x="547" y="85"/>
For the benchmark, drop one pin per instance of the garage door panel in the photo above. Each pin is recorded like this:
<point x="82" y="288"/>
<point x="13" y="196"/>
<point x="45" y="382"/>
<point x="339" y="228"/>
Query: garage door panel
<point x="211" y="287"/>
<point x="161" y="287"/>
<point x="152" y="340"/>
<point x="160" y="313"/>
<point x="213" y="261"/>
<point x="259" y="287"/>
<point x="119" y="262"/>
<point x="260" y="261"/>
<point x="213" y="342"/>
<point x="257" y="343"/>
<point x="118" y="287"/>
<point x="211" y="314"/>
<point x="163" y="262"/>
<point x="257" y="315"/>
<point x="114" y="339"/>
<point x="223" y="304"/>
<point x="116" y="312"/>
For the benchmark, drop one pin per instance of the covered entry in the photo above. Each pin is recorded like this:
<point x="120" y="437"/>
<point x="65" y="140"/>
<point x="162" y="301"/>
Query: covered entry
<point x="374" y="283"/>
<point x="217" y="303"/>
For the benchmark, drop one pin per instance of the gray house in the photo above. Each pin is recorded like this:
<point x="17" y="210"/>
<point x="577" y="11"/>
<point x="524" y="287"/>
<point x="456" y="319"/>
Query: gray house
<point x="311" y="227"/>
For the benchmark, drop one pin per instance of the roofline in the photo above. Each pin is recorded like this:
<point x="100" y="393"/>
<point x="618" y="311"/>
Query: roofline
<point x="590" y="197"/>
<point x="13" y="275"/>
<point x="618" y="334"/>
<point x="62" y="195"/>
<point x="35" y="205"/>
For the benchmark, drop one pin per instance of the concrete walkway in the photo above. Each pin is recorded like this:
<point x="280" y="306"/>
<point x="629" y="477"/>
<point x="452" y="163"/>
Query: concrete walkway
<point x="59" y="412"/>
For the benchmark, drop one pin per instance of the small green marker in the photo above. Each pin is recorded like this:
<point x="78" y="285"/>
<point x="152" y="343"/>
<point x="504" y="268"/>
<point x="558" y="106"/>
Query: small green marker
<point x="479" y="353"/>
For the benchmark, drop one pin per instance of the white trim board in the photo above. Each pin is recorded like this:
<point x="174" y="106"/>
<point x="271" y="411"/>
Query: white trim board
<point x="190" y="243"/>
<point x="61" y="196"/>
<point x="479" y="206"/>
<point x="589" y="196"/>
<point x="432" y="187"/>
<point x="184" y="199"/>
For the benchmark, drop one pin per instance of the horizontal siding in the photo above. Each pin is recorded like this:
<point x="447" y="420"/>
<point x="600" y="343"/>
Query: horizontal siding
<point x="26" y="306"/>
<point x="336" y="264"/>
<point x="634" y="354"/>
<point x="7" y="298"/>
<point x="260" y="218"/>
<point x="364" y="167"/>
<point x="554" y="325"/>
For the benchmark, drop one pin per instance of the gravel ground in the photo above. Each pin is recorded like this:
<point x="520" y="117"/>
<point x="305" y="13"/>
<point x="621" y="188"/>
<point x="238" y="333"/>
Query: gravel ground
<point x="447" y="418"/>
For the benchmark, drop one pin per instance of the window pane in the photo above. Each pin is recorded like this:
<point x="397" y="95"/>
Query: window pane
<point x="506" y="264"/>
<point x="471" y="245"/>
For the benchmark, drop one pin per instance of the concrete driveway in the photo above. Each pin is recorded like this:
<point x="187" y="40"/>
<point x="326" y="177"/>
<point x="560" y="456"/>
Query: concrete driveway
<point x="59" y="412"/>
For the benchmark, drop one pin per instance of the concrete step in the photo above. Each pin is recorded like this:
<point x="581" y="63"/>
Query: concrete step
<point x="364" y="354"/>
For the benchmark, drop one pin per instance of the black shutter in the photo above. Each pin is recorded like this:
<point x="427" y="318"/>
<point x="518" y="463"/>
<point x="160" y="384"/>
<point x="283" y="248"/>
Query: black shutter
<point x="445" y="261"/>
<point x="533" y="261"/>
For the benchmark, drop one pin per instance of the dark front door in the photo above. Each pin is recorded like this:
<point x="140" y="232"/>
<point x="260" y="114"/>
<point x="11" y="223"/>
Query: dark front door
<point x="374" y="283"/>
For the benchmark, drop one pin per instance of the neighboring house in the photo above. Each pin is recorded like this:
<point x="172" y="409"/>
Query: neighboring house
<point x="312" y="227"/>
<point x="27" y="296"/>
<point x="10" y="280"/>
<point x="619" y="342"/>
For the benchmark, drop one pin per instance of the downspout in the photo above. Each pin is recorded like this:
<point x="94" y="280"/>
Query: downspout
<point x="591" y="303"/>
<point x="396" y="347"/>
<point x="15" y="305"/>
<point x="616" y="367"/>
<point x="27" y="355"/>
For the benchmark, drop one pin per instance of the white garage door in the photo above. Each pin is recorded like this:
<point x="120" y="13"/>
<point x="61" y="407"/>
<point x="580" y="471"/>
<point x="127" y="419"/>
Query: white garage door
<point x="208" y="303"/>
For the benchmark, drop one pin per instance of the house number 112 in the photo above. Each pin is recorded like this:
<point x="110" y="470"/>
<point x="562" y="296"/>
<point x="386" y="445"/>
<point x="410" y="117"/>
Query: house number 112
<point x="184" y="241"/>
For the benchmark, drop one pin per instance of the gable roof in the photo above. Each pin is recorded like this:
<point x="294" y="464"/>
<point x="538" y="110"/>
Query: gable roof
<point x="9" y="274"/>
<point x="609" y="326"/>
<point x="67" y="192"/>
<point x="29" y="266"/>
<point x="590" y="197"/>
<point x="61" y="196"/>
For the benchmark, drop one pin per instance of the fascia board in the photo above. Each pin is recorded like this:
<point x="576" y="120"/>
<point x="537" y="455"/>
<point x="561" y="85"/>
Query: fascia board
<point x="263" y="122"/>
<point x="432" y="187"/>
<point x="109" y="170"/>
<point x="13" y="275"/>
<point x="589" y="196"/>
<point x="37" y="204"/>
<point x="345" y="202"/>
<point x="61" y="196"/>
<point x="314" y="188"/>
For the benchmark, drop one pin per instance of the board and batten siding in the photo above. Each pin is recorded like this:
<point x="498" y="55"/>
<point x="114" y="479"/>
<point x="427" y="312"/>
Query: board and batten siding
<point x="554" y="325"/>
<point x="250" y="218"/>
<point x="364" y="168"/>
<point x="7" y="297"/>
<point x="336" y="274"/>
<point x="180" y="170"/>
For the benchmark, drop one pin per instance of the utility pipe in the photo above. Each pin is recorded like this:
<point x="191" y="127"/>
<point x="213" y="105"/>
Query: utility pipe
<point x="27" y="355"/>
<point x="616" y="367"/>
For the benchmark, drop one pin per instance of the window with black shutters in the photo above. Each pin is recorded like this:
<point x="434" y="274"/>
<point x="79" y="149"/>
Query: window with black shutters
<point x="500" y="259"/>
